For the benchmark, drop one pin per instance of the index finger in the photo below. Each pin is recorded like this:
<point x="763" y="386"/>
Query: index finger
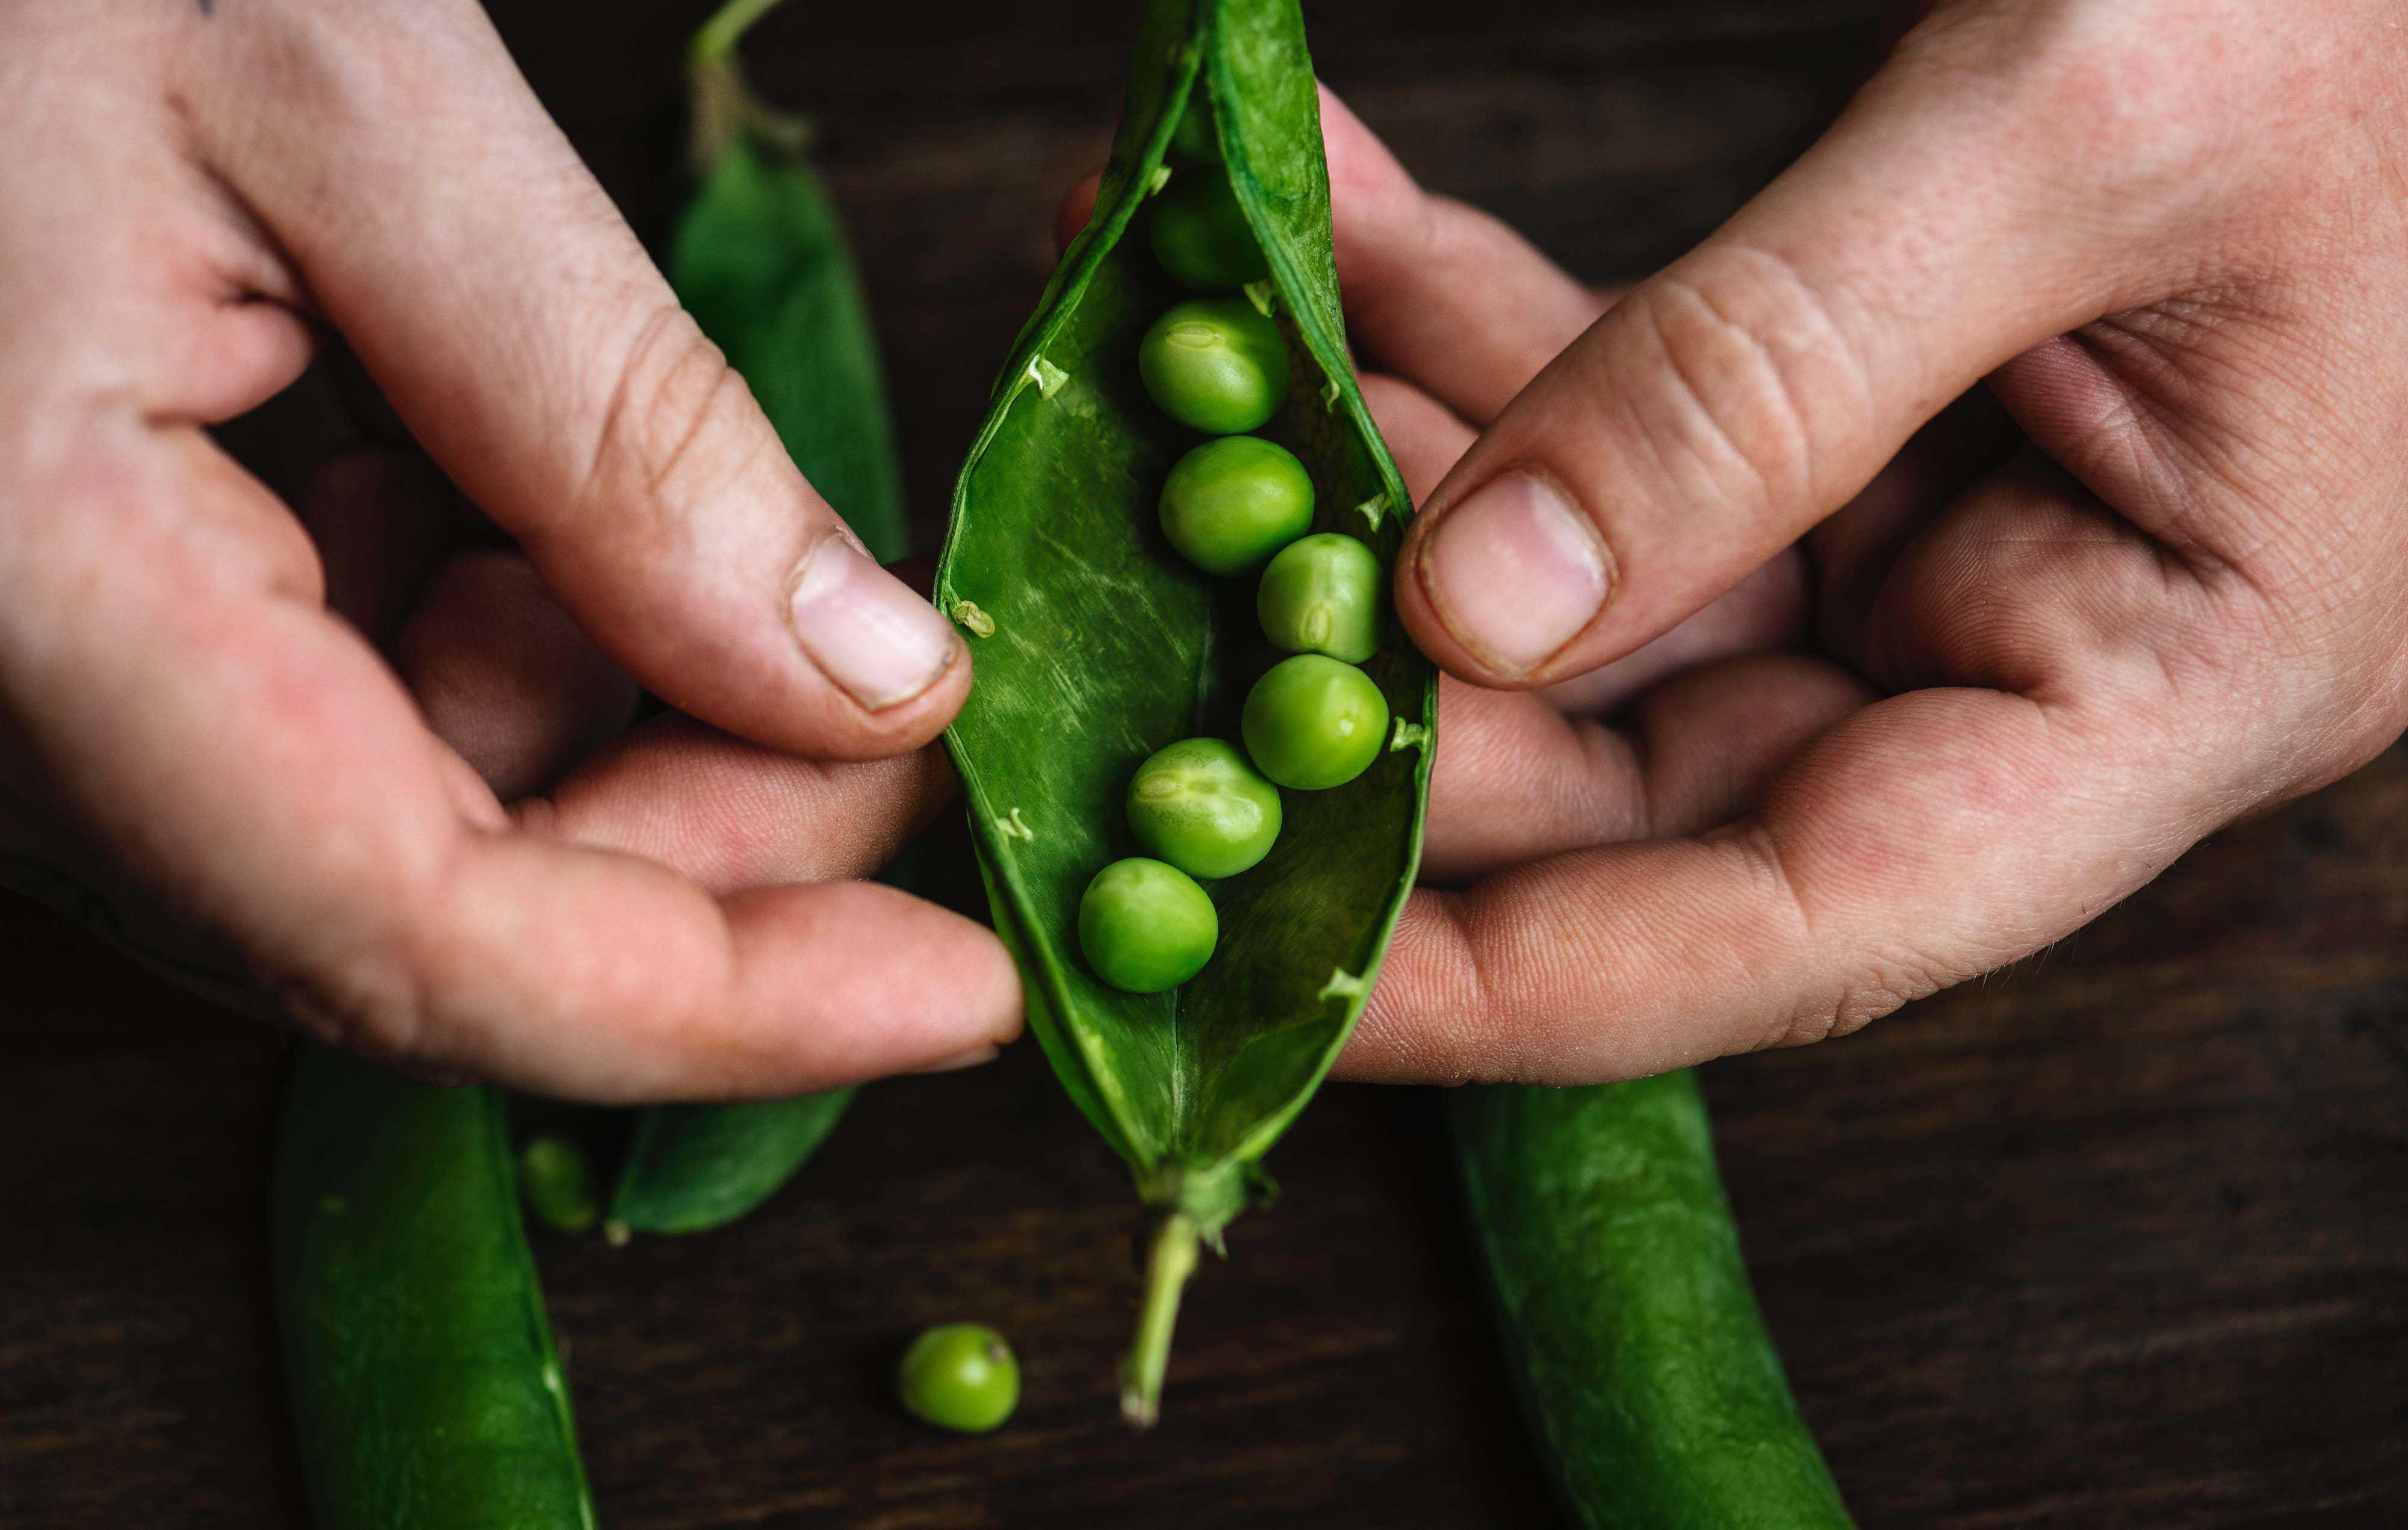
<point x="234" y="743"/>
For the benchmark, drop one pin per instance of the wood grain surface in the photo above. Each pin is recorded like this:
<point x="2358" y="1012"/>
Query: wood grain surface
<point x="2117" y="1238"/>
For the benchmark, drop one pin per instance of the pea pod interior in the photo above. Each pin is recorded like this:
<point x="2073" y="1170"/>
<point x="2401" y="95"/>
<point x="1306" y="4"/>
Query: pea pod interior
<point x="1096" y="643"/>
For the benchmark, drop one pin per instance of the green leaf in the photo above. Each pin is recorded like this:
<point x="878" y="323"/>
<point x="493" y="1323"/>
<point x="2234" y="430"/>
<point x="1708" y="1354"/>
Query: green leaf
<point x="1106" y="646"/>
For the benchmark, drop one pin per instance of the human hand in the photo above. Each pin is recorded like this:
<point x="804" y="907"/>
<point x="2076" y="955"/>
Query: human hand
<point x="187" y="724"/>
<point x="2004" y="500"/>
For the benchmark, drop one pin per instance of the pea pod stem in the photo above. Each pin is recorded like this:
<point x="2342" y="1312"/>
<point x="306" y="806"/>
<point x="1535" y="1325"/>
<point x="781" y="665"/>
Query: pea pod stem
<point x="726" y="27"/>
<point x="1170" y="1259"/>
<point x="722" y="106"/>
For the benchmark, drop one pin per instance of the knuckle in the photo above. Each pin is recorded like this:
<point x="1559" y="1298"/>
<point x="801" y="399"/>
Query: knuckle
<point x="365" y="1002"/>
<point x="1760" y="371"/>
<point x="674" y="430"/>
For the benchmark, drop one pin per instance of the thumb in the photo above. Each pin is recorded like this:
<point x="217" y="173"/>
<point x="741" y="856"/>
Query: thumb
<point x="517" y="325"/>
<point x="1753" y="387"/>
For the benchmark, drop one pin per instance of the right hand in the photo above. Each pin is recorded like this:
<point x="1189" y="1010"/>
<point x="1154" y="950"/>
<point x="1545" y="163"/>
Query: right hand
<point x="189" y="730"/>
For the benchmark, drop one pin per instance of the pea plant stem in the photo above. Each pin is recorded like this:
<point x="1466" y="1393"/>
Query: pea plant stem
<point x="719" y="36"/>
<point x="1170" y="1260"/>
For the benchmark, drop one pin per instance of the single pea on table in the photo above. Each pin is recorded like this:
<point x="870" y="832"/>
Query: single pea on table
<point x="959" y="1376"/>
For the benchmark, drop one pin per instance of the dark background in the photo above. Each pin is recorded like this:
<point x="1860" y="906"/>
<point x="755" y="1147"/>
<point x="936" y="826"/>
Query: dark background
<point x="2117" y="1238"/>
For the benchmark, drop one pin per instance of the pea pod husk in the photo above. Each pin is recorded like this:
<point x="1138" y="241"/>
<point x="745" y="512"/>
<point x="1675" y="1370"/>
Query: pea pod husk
<point x="759" y="258"/>
<point x="1096" y="646"/>
<point x="426" y="1388"/>
<point x="1646" y="1375"/>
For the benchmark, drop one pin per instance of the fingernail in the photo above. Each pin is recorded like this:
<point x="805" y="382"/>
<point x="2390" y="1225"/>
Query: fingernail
<point x="984" y="1052"/>
<point x="1515" y="571"/>
<point x="865" y="627"/>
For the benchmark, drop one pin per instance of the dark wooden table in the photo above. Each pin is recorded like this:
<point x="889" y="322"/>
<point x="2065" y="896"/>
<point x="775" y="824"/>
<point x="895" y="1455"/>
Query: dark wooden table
<point x="2116" y="1240"/>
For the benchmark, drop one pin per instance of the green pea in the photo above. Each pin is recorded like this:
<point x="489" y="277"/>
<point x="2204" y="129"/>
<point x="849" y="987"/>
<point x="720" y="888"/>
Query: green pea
<point x="1322" y="596"/>
<point x="1146" y="926"/>
<point x="1313" y="723"/>
<point x="959" y="1376"/>
<point x="558" y="1184"/>
<point x="1201" y="236"/>
<point x="1215" y="364"/>
<point x="1233" y="502"/>
<point x="1194" y="141"/>
<point x="1199" y="806"/>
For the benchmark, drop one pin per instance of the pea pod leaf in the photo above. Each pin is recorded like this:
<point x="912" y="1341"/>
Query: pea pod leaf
<point x="1095" y="644"/>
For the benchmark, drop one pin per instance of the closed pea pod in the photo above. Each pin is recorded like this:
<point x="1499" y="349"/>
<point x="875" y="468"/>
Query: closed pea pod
<point x="1623" y="1302"/>
<point x="426" y="1388"/>
<point x="1095" y="645"/>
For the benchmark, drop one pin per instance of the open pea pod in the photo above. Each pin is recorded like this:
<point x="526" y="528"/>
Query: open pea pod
<point x="1095" y="645"/>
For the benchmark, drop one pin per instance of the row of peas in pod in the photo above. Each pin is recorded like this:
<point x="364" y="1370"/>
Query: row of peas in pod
<point x="1236" y="505"/>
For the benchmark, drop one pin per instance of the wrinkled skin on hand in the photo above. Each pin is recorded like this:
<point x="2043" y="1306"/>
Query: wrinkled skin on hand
<point x="279" y="747"/>
<point x="2005" y="498"/>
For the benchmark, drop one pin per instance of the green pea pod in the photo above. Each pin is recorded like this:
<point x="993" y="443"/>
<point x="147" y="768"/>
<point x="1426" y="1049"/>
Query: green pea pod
<point x="426" y="1388"/>
<point x="759" y="259"/>
<point x="1096" y="645"/>
<point x="690" y="1168"/>
<point x="1643" y="1365"/>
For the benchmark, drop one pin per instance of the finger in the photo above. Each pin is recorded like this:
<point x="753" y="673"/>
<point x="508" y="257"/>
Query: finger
<point x="1070" y="215"/>
<point x="229" y="740"/>
<point x="1516" y="780"/>
<point x="517" y="326"/>
<point x="731" y="814"/>
<point x="504" y="676"/>
<point x="382" y="521"/>
<point x="1857" y="546"/>
<point x="1767" y="610"/>
<point x="1425" y="436"/>
<point x="1438" y="292"/>
<point x="1732" y="402"/>
<point x="1924" y="839"/>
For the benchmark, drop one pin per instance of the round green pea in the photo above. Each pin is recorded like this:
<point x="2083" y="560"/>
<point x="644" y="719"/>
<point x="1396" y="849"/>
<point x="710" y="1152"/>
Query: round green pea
<point x="959" y="1376"/>
<point x="1215" y="364"/>
<point x="1233" y="502"/>
<point x="1313" y="723"/>
<point x="1322" y="596"/>
<point x="1194" y="141"/>
<point x="558" y="1184"/>
<point x="1199" y="806"/>
<point x="1200" y="234"/>
<point x="1146" y="926"/>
